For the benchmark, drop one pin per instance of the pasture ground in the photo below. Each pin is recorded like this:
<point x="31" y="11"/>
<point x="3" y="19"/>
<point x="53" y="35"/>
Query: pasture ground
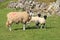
<point x="52" y="31"/>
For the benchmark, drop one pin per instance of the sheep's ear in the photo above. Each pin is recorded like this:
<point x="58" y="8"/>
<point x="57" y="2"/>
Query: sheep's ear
<point x="39" y="15"/>
<point x="45" y="16"/>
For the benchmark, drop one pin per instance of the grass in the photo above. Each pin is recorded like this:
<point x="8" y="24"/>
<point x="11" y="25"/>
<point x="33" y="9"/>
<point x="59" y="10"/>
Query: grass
<point x="52" y="31"/>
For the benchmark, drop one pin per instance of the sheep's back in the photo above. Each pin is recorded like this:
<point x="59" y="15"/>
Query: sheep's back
<point x="16" y="16"/>
<point x="25" y="16"/>
<point x="34" y="19"/>
<point x="42" y="20"/>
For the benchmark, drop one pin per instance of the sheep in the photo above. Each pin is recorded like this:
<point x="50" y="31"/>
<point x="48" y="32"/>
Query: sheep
<point x="39" y="20"/>
<point x="16" y="17"/>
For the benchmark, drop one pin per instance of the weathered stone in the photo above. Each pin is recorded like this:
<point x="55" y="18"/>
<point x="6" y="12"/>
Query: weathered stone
<point x="2" y="0"/>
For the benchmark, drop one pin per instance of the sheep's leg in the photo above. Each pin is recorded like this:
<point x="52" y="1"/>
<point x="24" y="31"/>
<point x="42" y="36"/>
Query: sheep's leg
<point x="10" y="29"/>
<point x="37" y="24"/>
<point x="43" y="25"/>
<point x="28" y="23"/>
<point x="8" y="23"/>
<point x="24" y="25"/>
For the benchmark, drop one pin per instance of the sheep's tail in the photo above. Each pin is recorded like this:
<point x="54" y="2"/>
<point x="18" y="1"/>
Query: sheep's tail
<point x="45" y="17"/>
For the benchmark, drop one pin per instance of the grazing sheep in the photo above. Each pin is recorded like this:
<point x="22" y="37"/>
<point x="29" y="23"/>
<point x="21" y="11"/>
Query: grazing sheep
<point x="16" y="17"/>
<point x="39" y="20"/>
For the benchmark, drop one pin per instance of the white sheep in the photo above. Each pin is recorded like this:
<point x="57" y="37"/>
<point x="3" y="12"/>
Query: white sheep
<point x="39" y="20"/>
<point x="16" y="17"/>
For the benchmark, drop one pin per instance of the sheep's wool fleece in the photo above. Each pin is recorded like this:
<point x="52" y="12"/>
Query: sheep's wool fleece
<point x="17" y="16"/>
<point x="39" y="19"/>
<point x="34" y="19"/>
<point x="42" y="20"/>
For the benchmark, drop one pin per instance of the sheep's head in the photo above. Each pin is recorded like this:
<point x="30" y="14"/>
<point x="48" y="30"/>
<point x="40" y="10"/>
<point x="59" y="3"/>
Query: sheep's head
<point x="30" y="12"/>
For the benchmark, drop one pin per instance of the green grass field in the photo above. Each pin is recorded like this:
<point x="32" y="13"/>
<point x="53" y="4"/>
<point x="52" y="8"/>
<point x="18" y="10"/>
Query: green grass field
<point x="52" y="31"/>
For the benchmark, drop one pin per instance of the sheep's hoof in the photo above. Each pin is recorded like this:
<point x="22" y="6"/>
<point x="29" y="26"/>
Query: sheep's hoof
<point x="23" y="29"/>
<point x="43" y="27"/>
<point x="9" y="29"/>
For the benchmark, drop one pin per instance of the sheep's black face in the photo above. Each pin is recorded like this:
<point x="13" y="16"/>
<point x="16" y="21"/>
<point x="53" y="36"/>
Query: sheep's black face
<point x="39" y="15"/>
<point x="30" y="12"/>
<point x="45" y="16"/>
